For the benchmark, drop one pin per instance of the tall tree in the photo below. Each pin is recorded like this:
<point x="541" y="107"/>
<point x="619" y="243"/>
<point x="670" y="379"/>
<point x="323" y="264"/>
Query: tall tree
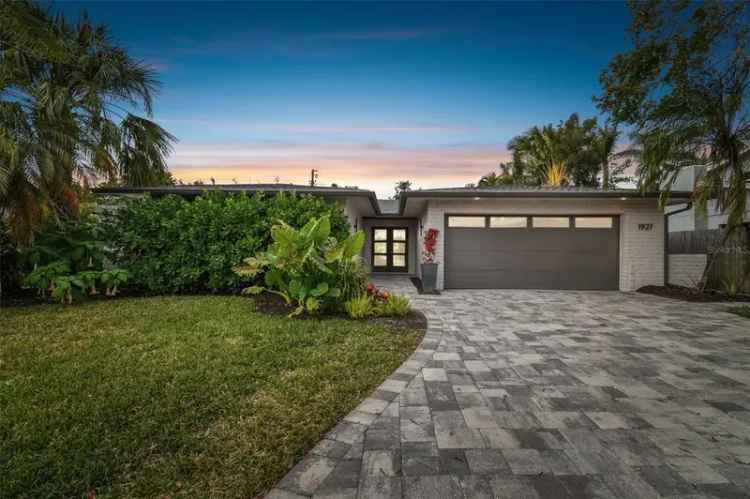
<point x="684" y="87"/>
<point x="401" y="187"/>
<point x="558" y="154"/>
<point x="66" y="91"/>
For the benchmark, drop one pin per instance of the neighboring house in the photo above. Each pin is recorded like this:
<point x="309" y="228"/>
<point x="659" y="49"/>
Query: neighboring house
<point x="693" y="232"/>
<point x="693" y="219"/>
<point x="501" y="237"/>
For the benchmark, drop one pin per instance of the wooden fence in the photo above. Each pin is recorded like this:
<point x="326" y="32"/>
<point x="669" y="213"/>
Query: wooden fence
<point x="732" y="264"/>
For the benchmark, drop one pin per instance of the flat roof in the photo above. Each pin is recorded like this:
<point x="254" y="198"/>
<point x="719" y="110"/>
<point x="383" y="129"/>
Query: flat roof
<point x="521" y="191"/>
<point x="397" y="208"/>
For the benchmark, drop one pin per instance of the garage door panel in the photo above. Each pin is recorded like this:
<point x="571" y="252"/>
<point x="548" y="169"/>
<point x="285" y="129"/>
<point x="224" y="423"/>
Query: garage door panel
<point x="532" y="258"/>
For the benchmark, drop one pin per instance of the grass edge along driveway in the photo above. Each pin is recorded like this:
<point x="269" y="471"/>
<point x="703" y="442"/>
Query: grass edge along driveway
<point x="175" y="396"/>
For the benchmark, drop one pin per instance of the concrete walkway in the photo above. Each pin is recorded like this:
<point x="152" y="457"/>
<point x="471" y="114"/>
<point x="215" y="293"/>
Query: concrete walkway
<point x="549" y="394"/>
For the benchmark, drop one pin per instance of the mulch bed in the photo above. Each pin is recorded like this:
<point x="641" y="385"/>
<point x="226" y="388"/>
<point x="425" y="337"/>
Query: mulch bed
<point x="689" y="294"/>
<point x="272" y="304"/>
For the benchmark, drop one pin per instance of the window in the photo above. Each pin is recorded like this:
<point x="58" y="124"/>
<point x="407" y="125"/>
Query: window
<point x="472" y="222"/>
<point x="550" y="222"/>
<point x="593" y="222"/>
<point x="389" y="247"/>
<point x="508" y="222"/>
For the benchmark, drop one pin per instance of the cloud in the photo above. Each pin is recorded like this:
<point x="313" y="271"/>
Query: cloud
<point x="348" y="164"/>
<point x="315" y="128"/>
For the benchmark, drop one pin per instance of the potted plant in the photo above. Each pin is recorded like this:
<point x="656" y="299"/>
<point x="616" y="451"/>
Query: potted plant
<point x="429" y="265"/>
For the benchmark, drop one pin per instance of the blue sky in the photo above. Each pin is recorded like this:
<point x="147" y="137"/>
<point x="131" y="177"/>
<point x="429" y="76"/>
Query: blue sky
<point x="367" y="93"/>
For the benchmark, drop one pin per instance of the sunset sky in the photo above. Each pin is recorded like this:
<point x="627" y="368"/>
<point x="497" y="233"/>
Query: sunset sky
<point x="367" y="93"/>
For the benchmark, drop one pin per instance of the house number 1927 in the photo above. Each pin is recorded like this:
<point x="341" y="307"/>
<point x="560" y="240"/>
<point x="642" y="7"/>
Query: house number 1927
<point x="645" y="226"/>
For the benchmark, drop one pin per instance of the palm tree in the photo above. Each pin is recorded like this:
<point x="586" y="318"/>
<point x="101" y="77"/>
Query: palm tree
<point x="64" y="118"/>
<point x="555" y="175"/>
<point x="541" y="150"/>
<point x="603" y="146"/>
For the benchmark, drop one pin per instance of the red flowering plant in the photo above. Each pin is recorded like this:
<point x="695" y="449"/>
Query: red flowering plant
<point x="378" y="295"/>
<point x="429" y="245"/>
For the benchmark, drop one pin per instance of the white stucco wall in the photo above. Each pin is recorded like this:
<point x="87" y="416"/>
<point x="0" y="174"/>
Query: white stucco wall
<point x="641" y="249"/>
<point x="686" y="270"/>
<point x="351" y="212"/>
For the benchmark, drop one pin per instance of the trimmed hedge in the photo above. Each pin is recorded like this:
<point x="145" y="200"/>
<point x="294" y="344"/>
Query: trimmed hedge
<point x="171" y="245"/>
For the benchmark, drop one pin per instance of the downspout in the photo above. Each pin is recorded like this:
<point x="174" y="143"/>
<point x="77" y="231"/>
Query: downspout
<point x="666" y="238"/>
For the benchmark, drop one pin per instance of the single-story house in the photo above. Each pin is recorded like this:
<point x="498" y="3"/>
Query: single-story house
<point x="501" y="237"/>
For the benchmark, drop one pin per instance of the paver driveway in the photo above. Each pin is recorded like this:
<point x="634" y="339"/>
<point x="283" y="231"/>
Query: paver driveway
<point x="550" y="394"/>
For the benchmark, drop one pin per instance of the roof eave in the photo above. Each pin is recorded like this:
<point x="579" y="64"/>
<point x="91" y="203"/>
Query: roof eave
<point x="536" y="194"/>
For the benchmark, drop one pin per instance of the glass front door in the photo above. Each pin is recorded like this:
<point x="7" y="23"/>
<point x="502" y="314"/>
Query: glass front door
<point x="389" y="249"/>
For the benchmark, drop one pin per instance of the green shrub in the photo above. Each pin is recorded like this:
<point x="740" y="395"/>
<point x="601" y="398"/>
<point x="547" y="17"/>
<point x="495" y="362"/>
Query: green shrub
<point x="172" y="245"/>
<point x="395" y="305"/>
<point x="68" y="259"/>
<point x="359" y="307"/>
<point x="304" y="266"/>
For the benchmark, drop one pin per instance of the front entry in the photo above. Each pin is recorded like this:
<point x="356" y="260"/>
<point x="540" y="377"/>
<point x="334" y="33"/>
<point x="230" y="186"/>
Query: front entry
<point x="390" y="249"/>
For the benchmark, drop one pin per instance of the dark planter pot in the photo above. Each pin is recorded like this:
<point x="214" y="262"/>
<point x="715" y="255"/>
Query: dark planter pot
<point x="429" y="277"/>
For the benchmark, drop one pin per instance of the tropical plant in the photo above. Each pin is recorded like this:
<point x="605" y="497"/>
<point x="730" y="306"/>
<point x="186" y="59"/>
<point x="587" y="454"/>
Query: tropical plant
<point x="555" y="175"/>
<point x="683" y="88"/>
<point x="68" y="259"/>
<point x="76" y="243"/>
<point x="172" y="245"/>
<point x="429" y="245"/>
<point x="492" y="179"/>
<point x="303" y="266"/>
<point x="353" y="277"/>
<point x="377" y="294"/>
<point x="44" y="277"/>
<point x="731" y="286"/>
<point x="65" y="91"/>
<point x="395" y="305"/>
<point x="359" y="307"/>
<point x="114" y="278"/>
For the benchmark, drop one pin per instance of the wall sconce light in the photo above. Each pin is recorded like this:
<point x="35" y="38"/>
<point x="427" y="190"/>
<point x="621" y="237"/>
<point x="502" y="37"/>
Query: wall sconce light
<point x="420" y="227"/>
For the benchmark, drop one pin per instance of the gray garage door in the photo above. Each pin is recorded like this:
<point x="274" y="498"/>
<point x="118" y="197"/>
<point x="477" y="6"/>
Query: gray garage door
<point x="514" y="252"/>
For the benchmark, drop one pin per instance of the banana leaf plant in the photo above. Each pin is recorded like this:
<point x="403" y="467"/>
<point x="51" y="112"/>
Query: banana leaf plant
<point x="302" y="266"/>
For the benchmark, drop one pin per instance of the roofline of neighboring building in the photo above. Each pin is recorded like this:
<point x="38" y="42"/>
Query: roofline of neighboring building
<point x="534" y="193"/>
<point x="193" y="191"/>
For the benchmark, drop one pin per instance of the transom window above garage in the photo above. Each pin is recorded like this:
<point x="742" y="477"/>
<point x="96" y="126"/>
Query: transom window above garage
<point x="509" y="222"/>
<point x="550" y="222"/>
<point x="469" y="222"/>
<point x="593" y="222"/>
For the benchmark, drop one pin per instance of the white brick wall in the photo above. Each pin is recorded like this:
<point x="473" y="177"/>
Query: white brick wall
<point x="641" y="251"/>
<point x="686" y="270"/>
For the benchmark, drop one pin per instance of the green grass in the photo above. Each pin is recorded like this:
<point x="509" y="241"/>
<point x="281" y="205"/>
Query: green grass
<point x="743" y="311"/>
<point x="175" y="396"/>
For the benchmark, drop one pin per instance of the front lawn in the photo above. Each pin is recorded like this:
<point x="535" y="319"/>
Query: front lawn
<point x="176" y="396"/>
